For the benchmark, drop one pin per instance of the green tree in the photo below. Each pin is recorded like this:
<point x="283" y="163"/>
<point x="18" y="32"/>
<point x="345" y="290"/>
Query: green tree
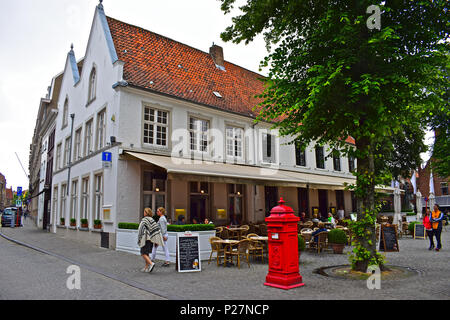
<point x="331" y="76"/>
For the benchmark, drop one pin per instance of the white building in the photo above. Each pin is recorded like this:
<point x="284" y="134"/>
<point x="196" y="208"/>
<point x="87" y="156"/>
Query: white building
<point x="179" y="125"/>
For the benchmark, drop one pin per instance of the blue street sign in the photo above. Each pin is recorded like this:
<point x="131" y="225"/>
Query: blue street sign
<point x="19" y="191"/>
<point x="107" y="157"/>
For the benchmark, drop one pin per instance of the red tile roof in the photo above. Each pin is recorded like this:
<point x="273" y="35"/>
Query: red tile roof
<point x="181" y="71"/>
<point x="166" y="66"/>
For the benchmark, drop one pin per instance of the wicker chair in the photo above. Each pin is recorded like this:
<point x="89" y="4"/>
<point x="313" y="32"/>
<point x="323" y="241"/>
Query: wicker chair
<point x="245" y="231"/>
<point x="238" y="250"/>
<point x="219" y="231"/>
<point x="322" y="242"/>
<point x="217" y="248"/>
<point x="263" y="230"/>
<point x="256" y="248"/>
<point x="308" y="224"/>
<point x="225" y="234"/>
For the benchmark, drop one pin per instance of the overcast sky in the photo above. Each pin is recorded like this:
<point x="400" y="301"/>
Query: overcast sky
<point x="35" y="37"/>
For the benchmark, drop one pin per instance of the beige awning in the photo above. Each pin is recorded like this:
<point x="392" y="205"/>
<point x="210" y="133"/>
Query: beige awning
<point x="186" y="169"/>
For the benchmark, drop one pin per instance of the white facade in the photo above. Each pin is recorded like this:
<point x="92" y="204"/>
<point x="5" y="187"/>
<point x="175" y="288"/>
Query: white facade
<point x="120" y="113"/>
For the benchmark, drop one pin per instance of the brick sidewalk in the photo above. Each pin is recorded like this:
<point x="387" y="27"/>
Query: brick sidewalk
<point x="432" y="281"/>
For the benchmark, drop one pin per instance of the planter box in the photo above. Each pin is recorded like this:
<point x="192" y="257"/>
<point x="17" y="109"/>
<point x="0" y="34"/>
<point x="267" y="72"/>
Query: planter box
<point x="126" y="240"/>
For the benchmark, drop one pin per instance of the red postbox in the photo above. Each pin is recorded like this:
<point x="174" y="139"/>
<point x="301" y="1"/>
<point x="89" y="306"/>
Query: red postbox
<point x="283" y="248"/>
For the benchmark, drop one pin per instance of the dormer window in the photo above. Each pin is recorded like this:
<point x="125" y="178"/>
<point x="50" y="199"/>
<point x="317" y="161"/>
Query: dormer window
<point x="92" y="85"/>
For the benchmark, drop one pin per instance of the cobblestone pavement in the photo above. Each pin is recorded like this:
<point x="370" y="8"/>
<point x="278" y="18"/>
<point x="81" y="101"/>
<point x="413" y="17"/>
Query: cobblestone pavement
<point x="223" y="283"/>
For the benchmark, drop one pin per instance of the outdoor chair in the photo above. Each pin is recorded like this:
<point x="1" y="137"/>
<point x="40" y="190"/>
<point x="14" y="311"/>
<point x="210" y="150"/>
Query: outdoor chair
<point x="245" y="231"/>
<point x="322" y="242"/>
<point x="308" y="224"/>
<point x="256" y="247"/>
<point x="263" y="230"/>
<point x="219" y="231"/>
<point x="217" y="248"/>
<point x="238" y="250"/>
<point x="225" y="234"/>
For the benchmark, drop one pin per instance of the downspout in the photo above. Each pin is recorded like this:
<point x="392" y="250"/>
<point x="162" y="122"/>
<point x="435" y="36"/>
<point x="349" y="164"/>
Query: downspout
<point x="72" y="116"/>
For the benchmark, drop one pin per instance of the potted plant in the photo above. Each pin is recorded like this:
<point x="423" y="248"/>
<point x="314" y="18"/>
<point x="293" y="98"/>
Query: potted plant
<point x="62" y="221"/>
<point x="97" y="224"/>
<point x="301" y="244"/>
<point x="337" y="238"/>
<point x="84" y="223"/>
<point x="73" y="222"/>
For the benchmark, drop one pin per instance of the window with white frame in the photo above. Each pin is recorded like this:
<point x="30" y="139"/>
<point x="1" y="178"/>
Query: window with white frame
<point x="58" y="156"/>
<point x="77" y="146"/>
<point x="154" y="190"/>
<point x="62" y="211"/>
<point x="300" y="156"/>
<point x="351" y="164"/>
<point x="320" y="158"/>
<point x="55" y="205"/>
<point x="101" y="129"/>
<point x="85" y="198"/>
<point x="88" y="138"/>
<point x="92" y="85"/>
<point x="156" y="127"/>
<point x="98" y="196"/>
<point x="74" y="200"/>
<point x="336" y="163"/>
<point x="66" y="152"/>
<point x="234" y="142"/>
<point x="268" y="148"/>
<point x="65" y="119"/>
<point x="198" y="132"/>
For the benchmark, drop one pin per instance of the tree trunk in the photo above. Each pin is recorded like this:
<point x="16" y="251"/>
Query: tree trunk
<point x="366" y="201"/>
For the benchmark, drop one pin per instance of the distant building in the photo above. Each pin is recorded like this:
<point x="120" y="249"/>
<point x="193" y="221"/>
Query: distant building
<point x="440" y="184"/>
<point x="9" y="198"/>
<point x="2" y="191"/>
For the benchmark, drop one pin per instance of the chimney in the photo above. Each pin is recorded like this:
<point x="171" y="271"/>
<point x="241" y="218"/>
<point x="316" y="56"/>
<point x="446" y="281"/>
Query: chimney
<point x="216" y="53"/>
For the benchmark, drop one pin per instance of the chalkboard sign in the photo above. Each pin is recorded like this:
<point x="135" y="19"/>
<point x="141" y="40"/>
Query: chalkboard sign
<point x="419" y="231"/>
<point x="389" y="241"/>
<point x="188" y="252"/>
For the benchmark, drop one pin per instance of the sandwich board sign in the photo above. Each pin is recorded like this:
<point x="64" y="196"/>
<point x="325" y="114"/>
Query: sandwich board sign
<point x="188" y="252"/>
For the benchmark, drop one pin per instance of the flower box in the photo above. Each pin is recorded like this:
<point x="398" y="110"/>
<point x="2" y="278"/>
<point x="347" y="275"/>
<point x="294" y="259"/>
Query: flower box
<point x="126" y="240"/>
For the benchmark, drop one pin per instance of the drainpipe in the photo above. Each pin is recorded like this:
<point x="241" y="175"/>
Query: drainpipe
<point x="255" y="162"/>
<point x="72" y="116"/>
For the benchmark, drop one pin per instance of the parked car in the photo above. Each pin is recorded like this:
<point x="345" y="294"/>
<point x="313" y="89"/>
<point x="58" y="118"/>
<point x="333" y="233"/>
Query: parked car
<point x="9" y="217"/>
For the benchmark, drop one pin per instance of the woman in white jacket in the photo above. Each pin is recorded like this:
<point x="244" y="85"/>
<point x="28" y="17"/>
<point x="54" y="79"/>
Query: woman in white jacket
<point x="163" y="226"/>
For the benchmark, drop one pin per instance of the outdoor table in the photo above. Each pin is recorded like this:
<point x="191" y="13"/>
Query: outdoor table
<point x="226" y="243"/>
<point x="259" y="238"/>
<point x="237" y="230"/>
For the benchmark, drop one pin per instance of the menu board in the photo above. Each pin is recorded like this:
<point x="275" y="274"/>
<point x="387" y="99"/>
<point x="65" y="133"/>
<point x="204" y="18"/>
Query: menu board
<point x="388" y="240"/>
<point x="188" y="252"/>
<point x="419" y="231"/>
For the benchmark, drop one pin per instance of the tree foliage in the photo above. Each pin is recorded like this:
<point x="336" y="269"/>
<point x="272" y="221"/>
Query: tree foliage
<point x="332" y="77"/>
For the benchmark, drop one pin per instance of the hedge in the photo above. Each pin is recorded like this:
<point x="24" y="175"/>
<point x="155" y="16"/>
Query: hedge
<point x="128" y="225"/>
<point x="190" y="227"/>
<point x="171" y="227"/>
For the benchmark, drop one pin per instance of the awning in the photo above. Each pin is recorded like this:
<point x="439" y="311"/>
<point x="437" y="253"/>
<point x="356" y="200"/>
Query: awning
<point x="181" y="168"/>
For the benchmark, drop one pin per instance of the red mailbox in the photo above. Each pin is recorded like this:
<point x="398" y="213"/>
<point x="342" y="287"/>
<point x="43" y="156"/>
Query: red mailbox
<point x="283" y="248"/>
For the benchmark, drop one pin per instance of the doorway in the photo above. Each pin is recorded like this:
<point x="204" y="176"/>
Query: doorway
<point x="198" y="208"/>
<point x="323" y="203"/>
<point x="302" y="194"/>
<point x="271" y="198"/>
